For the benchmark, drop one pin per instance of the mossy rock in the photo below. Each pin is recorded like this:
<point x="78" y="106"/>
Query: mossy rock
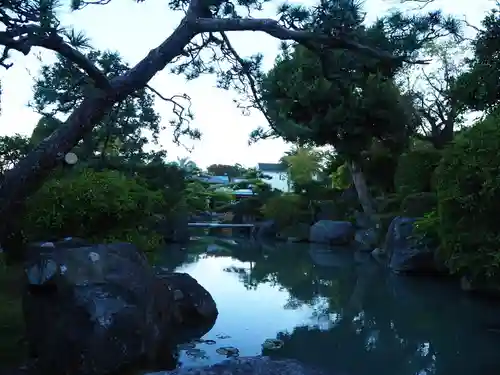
<point x="419" y="204"/>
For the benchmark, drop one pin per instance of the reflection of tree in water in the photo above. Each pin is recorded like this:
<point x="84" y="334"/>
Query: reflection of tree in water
<point x="367" y="323"/>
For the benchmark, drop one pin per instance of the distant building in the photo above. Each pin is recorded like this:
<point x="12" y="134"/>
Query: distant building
<point x="279" y="175"/>
<point x="215" y="180"/>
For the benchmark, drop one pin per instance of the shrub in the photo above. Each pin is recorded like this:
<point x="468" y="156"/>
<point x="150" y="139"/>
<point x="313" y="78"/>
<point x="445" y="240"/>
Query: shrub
<point x="427" y="229"/>
<point x="468" y="191"/>
<point x="418" y="204"/>
<point x="220" y="199"/>
<point x="414" y="171"/>
<point x="387" y="204"/>
<point x="141" y="236"/>
<point x="341" y="178"/>
<point x="90" y="205"/>
<point x="287" y="210"/>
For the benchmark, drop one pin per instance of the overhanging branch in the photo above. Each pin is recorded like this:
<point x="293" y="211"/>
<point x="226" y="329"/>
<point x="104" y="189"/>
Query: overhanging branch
<point x="53" y="42"/>
<point x="273" y="28"/>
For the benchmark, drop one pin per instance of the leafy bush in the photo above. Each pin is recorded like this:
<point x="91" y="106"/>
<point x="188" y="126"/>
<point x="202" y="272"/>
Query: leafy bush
<point x="287" y="210"/>
<point x="91" y="205"/>
<point x="341" y="178"/>
<point x="418" y="204"/>
<point x="141" y="236"/>
<point x="196" y="196"/>
<point x="427" y="228"/>
<point x="468" y="190"/>
<point x="414" y="171"/>
<point x="220" y="199"/>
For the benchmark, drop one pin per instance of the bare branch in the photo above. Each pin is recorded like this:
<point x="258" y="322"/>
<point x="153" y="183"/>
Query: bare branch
<point x="183" y="113"/>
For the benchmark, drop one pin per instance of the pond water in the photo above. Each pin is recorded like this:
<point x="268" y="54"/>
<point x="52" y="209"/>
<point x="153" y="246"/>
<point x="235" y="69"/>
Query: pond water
<point x="336" y="310"/>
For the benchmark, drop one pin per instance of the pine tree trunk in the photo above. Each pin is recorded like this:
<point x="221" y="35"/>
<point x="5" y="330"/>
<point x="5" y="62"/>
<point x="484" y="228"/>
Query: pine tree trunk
<point x="362" y="189"/>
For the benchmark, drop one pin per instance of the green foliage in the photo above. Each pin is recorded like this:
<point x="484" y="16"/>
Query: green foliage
<point x="427" y="227"/>
<point x="415" y="170"/>
<point x="303" y="164"/>
<point x="91" y="205"/>
<point x="44" y="128"/>
<point x="419" y="204"/>
<point x="197" y="195"/>
<point x="62" y="86"/>
<point x="141" y="236"/>
<point x="12" y="149"/>
<point x="346" y="100"/>
<point x="468" y="190"/>
<point x="341" y="178"/>
<point x="226" y="170"/>
<point x="13" y="348"/>
<point x="479" y="86"/>
<point x="287" y="210"/>
<point x="379" y="164"/>
<point x="220" y="199"/>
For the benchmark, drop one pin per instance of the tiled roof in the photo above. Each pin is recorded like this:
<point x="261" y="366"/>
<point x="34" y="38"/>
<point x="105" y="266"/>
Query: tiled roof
<point x="271" y="167"/>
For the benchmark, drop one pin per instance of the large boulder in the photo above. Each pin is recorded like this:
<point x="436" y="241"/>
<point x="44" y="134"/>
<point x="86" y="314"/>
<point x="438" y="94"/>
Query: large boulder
<point x="249" y="366"/>
<point x="332" y="232"/>
<point x="195" y="310"/>
<point x="407" y="252"/>
<point x="95" y="309"/>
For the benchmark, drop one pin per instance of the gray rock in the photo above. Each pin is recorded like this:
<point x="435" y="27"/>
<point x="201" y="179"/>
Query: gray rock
<point x="249" y="366"/>
<point x="95" y="309"/>
<point x="408" y="253"/>
<point x="332" y="232"/>
<point x="265" y="230"/>
<point x="366" y="239"/>
<point x="194" y="304"/>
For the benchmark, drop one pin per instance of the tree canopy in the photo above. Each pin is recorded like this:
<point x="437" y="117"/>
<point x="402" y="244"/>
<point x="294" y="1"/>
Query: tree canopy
<point x="479" y="86"/>
<point x="344" y="100"/>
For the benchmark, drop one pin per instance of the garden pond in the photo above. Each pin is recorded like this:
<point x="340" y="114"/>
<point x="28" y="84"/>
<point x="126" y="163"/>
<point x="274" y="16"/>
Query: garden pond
<point x="334" y="309"/>
<point x="331" y="308"/>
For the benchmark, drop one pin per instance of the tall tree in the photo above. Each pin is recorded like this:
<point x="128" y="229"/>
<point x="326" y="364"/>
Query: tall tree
<point x="121" y="132"/>
<point x="226" y="170"/>
<point x="440" y="110"/>
<point x="479" y="86"/>
<point x="345" y="101"/>
<point x="204" y="26"/>
<point x="304" y="164"/>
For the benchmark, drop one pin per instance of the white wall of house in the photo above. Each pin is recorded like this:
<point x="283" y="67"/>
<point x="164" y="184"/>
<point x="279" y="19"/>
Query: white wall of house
<point x="279" y="180"/>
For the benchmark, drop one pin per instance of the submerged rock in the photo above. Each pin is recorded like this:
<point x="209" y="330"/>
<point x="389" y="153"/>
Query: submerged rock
<point x="249" y="366"/>
<point x="95" y="309"/>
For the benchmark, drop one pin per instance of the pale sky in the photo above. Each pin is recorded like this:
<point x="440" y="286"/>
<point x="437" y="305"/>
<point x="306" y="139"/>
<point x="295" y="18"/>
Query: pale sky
<point x="133" y="29"/>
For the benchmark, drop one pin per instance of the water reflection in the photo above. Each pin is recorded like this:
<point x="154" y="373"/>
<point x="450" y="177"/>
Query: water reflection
<point x="335" y="310"/>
